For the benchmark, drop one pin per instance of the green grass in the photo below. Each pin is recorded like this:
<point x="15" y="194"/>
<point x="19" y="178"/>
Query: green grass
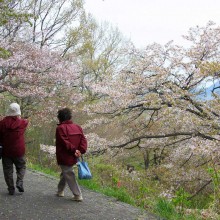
<point x="166" y="210"/>
<point x="45" y="170"/>
<point x="119" y="193"/>
<point x="202" y="201"/>
<point x="140" y="192"/>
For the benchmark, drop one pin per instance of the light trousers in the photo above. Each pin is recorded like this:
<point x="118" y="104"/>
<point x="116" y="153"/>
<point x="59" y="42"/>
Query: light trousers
<point x="68" y="176"/>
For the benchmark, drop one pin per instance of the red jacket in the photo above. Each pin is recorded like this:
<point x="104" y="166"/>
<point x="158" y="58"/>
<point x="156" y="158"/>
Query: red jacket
<point x="69" y="138"/>
<point x="12" y="130"/>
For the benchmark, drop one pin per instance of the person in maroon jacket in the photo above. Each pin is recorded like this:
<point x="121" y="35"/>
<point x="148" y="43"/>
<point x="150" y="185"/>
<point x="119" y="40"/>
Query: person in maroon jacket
<point x="70" y="144"/>
<point x="12" y="129"/>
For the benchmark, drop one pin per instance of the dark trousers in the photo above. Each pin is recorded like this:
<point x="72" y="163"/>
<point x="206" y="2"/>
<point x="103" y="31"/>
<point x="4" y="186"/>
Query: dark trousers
<point x="20" y="165"/>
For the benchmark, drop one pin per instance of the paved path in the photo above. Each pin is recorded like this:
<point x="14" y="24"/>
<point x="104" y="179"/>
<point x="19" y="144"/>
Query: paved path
<point x="39" y="202"/>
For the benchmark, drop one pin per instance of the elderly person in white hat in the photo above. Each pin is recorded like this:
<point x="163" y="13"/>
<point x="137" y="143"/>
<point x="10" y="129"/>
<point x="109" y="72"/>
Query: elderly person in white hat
<point x="12" y="129"/>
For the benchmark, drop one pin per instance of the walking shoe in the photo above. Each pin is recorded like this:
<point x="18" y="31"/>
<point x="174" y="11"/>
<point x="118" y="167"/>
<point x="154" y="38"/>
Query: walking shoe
<point x="77" y="198"/>
<point x="20" y="188"/>
<point x="11" y="192"/>
<point x="60" y="194"/>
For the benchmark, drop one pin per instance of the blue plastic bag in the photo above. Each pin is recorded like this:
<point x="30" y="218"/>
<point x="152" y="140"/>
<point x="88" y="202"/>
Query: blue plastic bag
<point x="83" y="170"/>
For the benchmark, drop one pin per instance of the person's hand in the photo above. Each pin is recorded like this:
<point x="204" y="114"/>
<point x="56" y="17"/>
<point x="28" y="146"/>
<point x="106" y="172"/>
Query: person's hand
<point x="78" y="153"/>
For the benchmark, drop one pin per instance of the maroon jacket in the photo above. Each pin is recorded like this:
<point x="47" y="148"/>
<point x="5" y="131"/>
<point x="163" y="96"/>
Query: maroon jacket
<point x="12" y="130"/>
<point x="69" y="138"/>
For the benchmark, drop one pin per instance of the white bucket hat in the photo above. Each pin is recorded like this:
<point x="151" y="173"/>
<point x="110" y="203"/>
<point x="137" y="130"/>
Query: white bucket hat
<point x="14" y="110"/>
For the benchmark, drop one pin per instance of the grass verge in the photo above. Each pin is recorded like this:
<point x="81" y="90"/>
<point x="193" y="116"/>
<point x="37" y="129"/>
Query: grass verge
<point x="92" y="184"/>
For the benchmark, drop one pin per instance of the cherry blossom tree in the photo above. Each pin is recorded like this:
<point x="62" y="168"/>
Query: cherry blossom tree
<point x="154" y="104"/>
<point x="34" y="75"/>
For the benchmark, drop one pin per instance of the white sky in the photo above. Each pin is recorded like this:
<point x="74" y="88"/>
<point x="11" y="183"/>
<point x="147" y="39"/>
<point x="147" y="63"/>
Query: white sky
<point x="149" y="21"/>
